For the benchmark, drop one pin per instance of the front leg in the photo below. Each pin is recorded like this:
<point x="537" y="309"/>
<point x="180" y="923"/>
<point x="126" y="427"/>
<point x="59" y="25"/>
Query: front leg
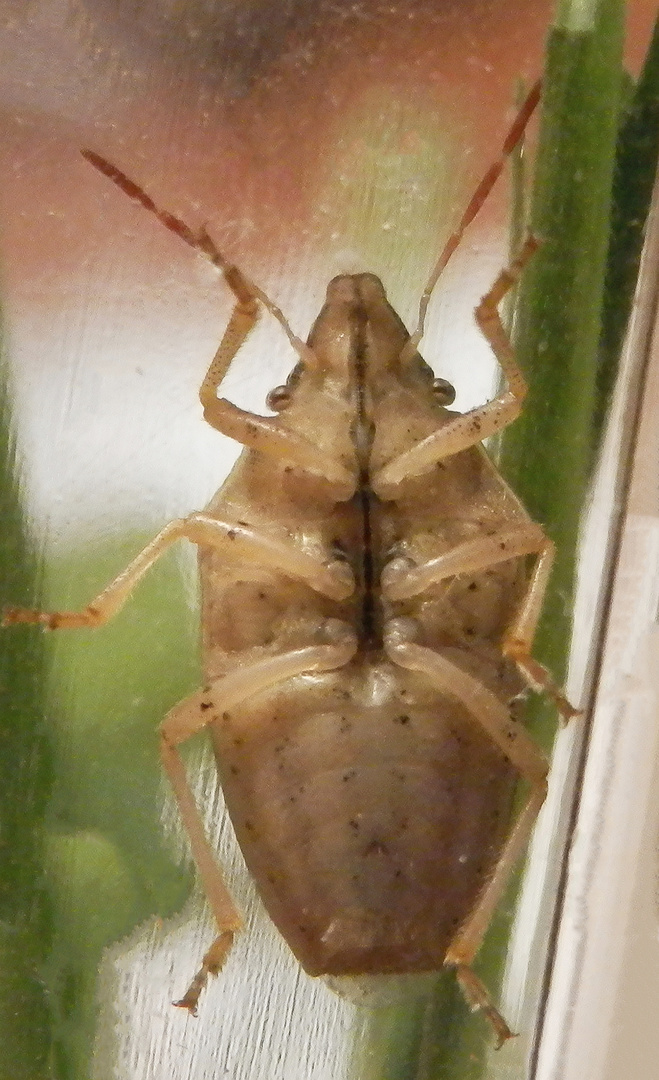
<point x="258" y="432"/>
<point x="263" y="433"/>
<point x="330" y="577"/>
<point x="198" y="712"/>
<point x="480" y="423"/>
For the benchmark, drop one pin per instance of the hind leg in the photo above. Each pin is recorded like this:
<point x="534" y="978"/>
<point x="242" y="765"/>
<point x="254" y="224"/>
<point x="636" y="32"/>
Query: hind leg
<point x="190" y="717"/>
<point x="490" y="714"/>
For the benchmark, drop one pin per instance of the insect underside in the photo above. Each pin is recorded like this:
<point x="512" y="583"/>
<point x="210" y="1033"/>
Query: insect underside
<point x="370" y="592"/>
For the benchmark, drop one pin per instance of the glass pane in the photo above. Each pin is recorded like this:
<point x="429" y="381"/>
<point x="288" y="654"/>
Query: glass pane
<point x="309" y="140"/>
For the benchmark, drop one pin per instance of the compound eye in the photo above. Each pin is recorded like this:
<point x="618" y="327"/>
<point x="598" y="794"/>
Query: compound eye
<point x="443" y="391"/>
<point x="278" y="398"/>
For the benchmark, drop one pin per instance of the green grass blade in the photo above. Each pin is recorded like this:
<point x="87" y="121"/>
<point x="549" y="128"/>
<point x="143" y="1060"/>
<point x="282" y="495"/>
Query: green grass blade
<point x="546" y="454"/>
<point x="26" y="778"/>
<point x="635" y="171"/>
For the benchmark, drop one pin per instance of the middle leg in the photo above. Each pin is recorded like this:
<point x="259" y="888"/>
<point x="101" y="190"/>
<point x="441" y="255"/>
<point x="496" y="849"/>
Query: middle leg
<point x="330" y="577"/>
<point x="518" y="639"/>
<point x="400" y="580"/>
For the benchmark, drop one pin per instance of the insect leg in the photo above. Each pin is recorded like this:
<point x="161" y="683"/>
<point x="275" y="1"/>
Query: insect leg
<point x="482" y="704"/>
<point x="519" y="748"/>
<point x="330" y="577"/>
<point x="465" y="945"/>
<point x="402" y="579"/>
<point x="267" y="435"/>
<point x="264" y="433"/>
<point x="518" y="640"/>
<point x="480" y="423"/>
<point x="246" y="292"/>
<point x="258" y="432"/>
<point x="194" y="714"/>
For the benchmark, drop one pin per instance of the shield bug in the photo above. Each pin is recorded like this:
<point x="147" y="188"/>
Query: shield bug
<point x="368" y="612"/>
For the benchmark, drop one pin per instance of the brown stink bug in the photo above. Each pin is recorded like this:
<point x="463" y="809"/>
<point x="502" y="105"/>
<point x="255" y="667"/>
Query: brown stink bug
<point x="368" y="611"/>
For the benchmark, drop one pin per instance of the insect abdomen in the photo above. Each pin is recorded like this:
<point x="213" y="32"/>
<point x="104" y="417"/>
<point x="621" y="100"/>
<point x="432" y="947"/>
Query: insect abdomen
<point x="352" y="820"/>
